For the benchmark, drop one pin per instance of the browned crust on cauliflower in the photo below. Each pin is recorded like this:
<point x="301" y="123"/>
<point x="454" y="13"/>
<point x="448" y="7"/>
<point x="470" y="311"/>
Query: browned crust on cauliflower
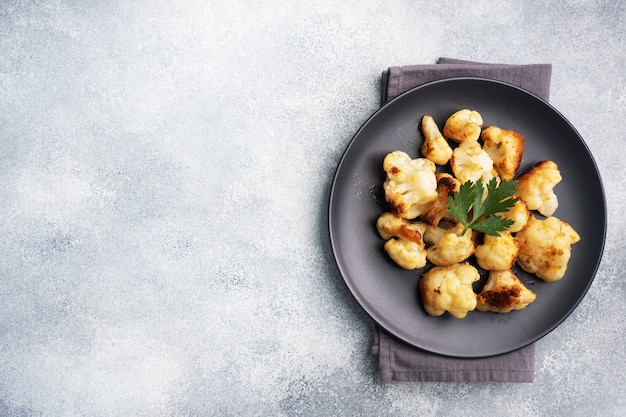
<point x="404" y="243"/>
<point x="536" y="187"/>
<point x="503" y="293"/>
<point x="505" y="147"/>
<point x="447" y="185"/>
<point x="390" y="225"/>
<point x="410" y="185"/>
<point x="463" y="125"/>
<point x="434" y="147"/>
<point x="449" y="288"/>
<point x="545" y="247"/>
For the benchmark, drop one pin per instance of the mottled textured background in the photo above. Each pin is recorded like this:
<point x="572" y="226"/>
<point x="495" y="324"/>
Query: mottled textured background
<point x="164" y="177"/>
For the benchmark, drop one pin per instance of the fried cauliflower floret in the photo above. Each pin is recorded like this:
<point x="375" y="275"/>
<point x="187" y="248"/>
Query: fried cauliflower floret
<point x="447" y="185"/>
<point x="410" y="185"/>
<point x="451" y="249"/>
<point x="389" y="225"/>
<point x="497" y="253"/>
<point x="407" y="254"/>
<point x="449" y="288"/>
<point x="404" y="243"/>
<point x="545" y="247"/>
<point x="470" y="163"/>
<point x="536" y="187"/>
<point x="503" y="293"/>
<point x="505" y="147"/>
<point x="434" y="146"/>
<point x="464" y="125"/>
<point x="449" y="246"/>
<point x="519" y="214"/>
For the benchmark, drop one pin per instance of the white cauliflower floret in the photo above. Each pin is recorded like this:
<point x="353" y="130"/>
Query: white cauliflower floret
<point x="451" y="248"/>
<point x="470" y="163"/>
<point x="434" y="146"/>
<point x="404" y="243"/>
<point x="519" y="214"/>
<point x="447" y="185"/>
<point x="449" y="288"/>
<point x="464" y="125"/>
<point x="503" y="293"/>
<point x="545" y="247"/>
<point x="407" y="254"/>
<point x="536" y="187"/>
<point x="410" y="185"/>
<point x="497" y="253"/>
<point x="505" y="147"/>
<point x="389" y="225"/>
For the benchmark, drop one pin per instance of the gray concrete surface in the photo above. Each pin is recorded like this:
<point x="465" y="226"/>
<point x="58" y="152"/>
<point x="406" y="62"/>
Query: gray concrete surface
<point x="164" y="176"/>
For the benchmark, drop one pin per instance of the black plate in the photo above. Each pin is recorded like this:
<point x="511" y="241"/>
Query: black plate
<point x="387" y="292"/>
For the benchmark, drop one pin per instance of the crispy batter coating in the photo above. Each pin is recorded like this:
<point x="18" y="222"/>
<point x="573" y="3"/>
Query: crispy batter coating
<point x="449" y="288"/>
<point x="545" y="247"/>
<point x="497" y="253"/>
<point x="463" y="125"/>
<point x="536" y="187"/>
<point x="410" y="185"/>
<point x="505" y="147"/>
<point x="503" y="293"/>
<point x="434" y="147"/>
<point x="447" y="185"/>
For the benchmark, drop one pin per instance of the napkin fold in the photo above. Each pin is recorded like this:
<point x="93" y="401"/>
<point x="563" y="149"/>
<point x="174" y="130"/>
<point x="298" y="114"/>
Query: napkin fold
<point x="397" y="360"/>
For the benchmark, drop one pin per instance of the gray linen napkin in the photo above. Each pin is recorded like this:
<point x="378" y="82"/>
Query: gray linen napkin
<point x="397" y="360"/>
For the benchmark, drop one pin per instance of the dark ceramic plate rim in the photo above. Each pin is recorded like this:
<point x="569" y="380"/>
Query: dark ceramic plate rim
<point x="390" y="298"/>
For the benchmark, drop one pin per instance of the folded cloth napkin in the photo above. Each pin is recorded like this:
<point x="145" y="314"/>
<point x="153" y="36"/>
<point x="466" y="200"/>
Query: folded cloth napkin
<point x="397" y="360"/>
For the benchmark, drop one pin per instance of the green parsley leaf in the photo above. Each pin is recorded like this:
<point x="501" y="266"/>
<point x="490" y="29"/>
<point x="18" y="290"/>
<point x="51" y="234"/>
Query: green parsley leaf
<point x="477" y="206"/>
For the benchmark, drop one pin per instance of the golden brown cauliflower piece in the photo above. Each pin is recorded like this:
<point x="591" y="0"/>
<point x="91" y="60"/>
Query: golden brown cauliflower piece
<point x="404" y="243"/>
<point x="449" y="288"/>
<point x="410" y="185"/>
<point x="451" y="248"/>
<point x="434" y="146"/>
<point x="504" y="292"/>
<point x="545" y="247"/>
<point x="505" y="147"/>
<point x="536" y="187"/>
<point x="389" y="225"/>
<point x="470" y="163"/>
<point x="519" y="214"/>
<point x="447" y="185"/>
<point x="463" y="125"/>
<point x="409" y="255"/>
<point x="497" y="253"/>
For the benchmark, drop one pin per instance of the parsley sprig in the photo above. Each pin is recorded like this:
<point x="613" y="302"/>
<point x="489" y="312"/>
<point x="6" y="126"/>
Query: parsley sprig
<point x="468" y="206"/>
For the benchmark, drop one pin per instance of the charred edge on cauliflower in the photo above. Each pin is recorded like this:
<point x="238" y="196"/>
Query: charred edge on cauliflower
<point x="410" y="234"/>
<point x="446" y="187"/>
<point x="501" y="298"/>
<point x="396" y="207"/>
